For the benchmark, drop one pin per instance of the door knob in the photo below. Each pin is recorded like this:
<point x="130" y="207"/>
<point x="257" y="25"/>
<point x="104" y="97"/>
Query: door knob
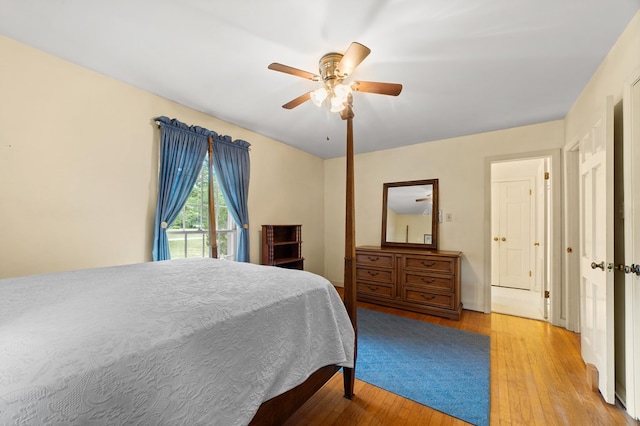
<point x="633" y="269"/>
<point x="503" y="239"/>
<point x="623" y="268"/>
<point x="595" y="265"/>
<point x="495" y="238"/>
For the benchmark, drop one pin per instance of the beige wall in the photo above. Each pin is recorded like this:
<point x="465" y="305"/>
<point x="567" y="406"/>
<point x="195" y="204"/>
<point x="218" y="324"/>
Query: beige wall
<point x="78" y="167"/>
<point x="609" y="79"/>
<point x="459" y="166"/>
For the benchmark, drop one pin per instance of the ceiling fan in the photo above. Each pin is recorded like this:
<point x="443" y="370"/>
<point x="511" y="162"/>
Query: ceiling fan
<point x="334" y="68"/>
<point x="427" y="198"/>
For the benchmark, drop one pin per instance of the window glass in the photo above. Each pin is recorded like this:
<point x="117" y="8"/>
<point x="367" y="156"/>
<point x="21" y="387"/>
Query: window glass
<point x="189" y="234"/>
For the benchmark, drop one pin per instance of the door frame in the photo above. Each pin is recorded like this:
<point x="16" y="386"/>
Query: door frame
<point x="571" y="234"/>
<point x="631" y="151"/>
<point x="555" y="227"/>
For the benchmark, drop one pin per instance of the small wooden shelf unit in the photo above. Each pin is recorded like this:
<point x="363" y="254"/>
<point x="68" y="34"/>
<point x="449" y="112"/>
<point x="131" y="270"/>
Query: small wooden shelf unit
<point x="415" y="280"/>
<point x="282" y="246"/>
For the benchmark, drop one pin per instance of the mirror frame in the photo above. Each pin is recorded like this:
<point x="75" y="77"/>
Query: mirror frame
<point x="434" y="216"/>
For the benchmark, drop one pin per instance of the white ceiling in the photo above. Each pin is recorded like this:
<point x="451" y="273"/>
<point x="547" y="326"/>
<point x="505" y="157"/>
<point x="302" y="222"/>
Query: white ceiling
<point x="467" y="66"/>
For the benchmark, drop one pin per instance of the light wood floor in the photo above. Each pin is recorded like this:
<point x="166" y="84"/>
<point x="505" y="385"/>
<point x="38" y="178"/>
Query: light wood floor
<point x="537" y="378"/>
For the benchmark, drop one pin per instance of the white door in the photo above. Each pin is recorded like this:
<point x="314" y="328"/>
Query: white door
<point x="596" y="249"/>
<point x="512" y="234"/>
<point x="631" y="105"/>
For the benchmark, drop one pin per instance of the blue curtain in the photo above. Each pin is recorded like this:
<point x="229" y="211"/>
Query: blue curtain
<point x="231" y="165"/>
<point x="182" y="151"/>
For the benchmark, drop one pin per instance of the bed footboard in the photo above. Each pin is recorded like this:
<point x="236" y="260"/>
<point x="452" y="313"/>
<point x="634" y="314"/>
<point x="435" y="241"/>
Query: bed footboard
<point x="278" y="409"/>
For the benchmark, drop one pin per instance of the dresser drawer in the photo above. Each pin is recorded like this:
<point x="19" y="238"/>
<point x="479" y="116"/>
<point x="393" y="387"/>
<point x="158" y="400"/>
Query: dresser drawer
<point x="441" y="282"/>
<point x="371" y="289"/>
<point x="424" y="297"/>
<point x="382" y="260"/>
<point x="371" y="274"/>
<point x="430" y="263"/>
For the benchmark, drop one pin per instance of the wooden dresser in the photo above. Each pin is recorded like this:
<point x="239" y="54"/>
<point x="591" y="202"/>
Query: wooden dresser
<point x="423" y="281"/>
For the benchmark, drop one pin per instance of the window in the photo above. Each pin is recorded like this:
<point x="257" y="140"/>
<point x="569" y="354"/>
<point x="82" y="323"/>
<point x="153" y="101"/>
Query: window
<point x="189" y="234"/>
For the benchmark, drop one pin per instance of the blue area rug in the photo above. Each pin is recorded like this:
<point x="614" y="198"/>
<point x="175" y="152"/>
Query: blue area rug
<point x="441" y="367"/>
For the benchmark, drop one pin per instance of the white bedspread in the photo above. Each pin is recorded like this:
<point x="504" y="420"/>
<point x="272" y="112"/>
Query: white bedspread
<point x="196" y="341"/>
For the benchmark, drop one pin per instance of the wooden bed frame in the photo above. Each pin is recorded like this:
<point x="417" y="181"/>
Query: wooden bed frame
<point x="276" y="410"/>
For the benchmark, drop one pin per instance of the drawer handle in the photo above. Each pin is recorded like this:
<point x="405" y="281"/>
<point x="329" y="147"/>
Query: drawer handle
<point x="431" y="297"/>
<point x="372" y="274"/>
<point x="373" y="259"/>
<point x="373" y="287"/>
<point x="428" y="280"/>
<point x="428" y="265"/>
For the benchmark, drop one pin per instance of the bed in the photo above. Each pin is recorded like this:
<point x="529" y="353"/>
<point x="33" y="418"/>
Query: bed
<point x="193" y="341"/>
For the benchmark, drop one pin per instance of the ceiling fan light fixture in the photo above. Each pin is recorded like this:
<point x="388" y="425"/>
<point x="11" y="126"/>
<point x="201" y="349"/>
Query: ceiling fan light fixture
<point x="337" y="104"/>
<point x="318" y="96"/>
<point x="339" y="96"/>
<point x="342" y="91"/>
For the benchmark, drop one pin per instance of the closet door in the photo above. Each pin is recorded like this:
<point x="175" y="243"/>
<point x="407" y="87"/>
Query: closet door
<point x="512" y="234"/>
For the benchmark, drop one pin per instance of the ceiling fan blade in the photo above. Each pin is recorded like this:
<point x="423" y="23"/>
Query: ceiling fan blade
<point x="352" y="58"/>
<point x="294" y="71"/>
<point x="392" y="89"/>
<point x="418" y="200"/>
<point x="297" y="101"/>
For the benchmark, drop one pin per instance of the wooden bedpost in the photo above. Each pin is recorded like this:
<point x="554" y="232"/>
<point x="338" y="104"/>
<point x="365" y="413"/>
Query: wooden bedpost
<point x="350" y="295"/>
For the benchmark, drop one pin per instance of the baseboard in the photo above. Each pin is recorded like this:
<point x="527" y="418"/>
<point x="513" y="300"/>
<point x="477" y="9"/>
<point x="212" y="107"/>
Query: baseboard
<point x="473" y="307"/>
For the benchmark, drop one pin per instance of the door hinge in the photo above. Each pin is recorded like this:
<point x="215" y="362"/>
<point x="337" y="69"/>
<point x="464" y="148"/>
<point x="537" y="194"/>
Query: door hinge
<point x="530" y="193"/>
<point x="546" y="294"/>
<point x="546" y="175"/>
<point x="529" y="273"/>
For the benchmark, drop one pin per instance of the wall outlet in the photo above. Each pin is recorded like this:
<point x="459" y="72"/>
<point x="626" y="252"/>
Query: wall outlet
<point x="449" y="217"/>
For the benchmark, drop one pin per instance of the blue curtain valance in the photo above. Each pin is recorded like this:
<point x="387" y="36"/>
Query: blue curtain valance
<point x="201" y="131"/>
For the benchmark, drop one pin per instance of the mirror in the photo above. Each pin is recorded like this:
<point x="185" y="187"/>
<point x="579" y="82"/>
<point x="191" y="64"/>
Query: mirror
<point x="410" y="214"/>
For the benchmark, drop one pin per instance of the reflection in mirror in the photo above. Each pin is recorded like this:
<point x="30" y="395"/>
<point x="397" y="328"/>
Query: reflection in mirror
<point x="410" y="214"/>
<point x="409" y="211"/>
